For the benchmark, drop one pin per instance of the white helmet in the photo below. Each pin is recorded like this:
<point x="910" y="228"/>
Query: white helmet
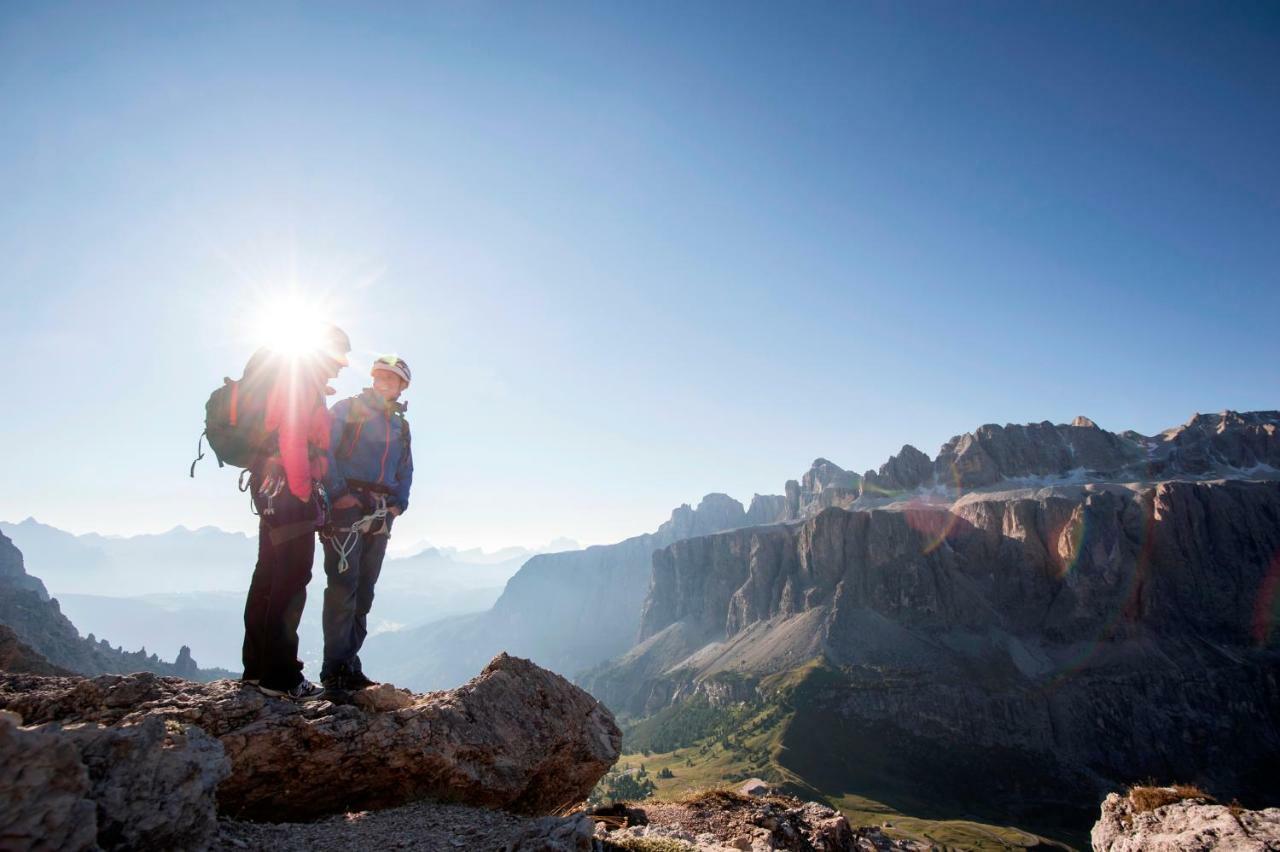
<point x="393" y="364"/>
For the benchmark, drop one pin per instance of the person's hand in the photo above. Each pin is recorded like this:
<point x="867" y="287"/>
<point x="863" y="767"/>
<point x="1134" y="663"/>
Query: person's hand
<point x="394" y="511"/>
<point x="346" y="501"/>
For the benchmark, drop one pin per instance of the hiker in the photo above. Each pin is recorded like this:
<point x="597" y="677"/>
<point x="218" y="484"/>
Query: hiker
<point x="284" y="482"/>
<point x="369" y="483"/>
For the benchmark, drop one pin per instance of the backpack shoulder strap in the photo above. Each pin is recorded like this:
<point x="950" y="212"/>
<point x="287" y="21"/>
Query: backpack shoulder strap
<point x="357" y="414"/>
<point x="405" y="437"/>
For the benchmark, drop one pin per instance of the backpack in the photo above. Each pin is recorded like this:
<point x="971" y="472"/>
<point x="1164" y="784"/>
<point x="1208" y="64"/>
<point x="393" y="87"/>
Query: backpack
<point x="235" y="415"/>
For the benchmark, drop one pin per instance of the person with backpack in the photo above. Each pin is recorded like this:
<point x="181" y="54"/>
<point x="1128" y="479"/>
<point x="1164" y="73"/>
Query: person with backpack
<point x="370" y="479"/>
<point x="274" y="422"/>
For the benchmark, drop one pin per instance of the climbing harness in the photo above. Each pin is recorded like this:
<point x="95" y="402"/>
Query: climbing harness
<point x="269" y="490"/>
<point x="347" y="544"/>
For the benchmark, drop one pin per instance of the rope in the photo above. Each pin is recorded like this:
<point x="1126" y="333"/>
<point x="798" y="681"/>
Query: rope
<point x="347" y="545"/>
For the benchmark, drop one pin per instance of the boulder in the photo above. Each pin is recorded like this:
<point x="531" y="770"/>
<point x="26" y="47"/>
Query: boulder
<point x="573" y="833"/>
<point x="153" y="783"/>
<point x="1194" y="824"/>
<point x="516" y="737"/>
<point x="44" y="791"/>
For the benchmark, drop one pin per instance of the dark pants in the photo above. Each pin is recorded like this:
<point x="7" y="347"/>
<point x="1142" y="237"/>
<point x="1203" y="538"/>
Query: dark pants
<point x="278" y="592"/>
<point x="348" y="597"/>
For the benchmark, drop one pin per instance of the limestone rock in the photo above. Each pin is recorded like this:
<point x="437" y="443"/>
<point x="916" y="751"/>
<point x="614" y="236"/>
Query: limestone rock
<point x="1209" y="442"/>
<point x="1190" y="825"/>
<point x="517" y="737"/>
<point x="909" y="469"/>
<point x="44" y="791"/>
<point x="153" y="784"/>
<point x="721" y="821"/>
<point x="826" y="484"/>
<point x="382" y="698"/>
<point x="766" y="509"/>
<point x="556" y="834"/>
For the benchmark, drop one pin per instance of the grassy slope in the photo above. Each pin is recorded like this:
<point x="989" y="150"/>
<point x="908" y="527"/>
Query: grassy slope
<point x="784" y="743"/>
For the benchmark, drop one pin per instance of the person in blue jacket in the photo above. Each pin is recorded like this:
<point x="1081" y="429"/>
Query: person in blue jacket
<point x="368" y="483"/>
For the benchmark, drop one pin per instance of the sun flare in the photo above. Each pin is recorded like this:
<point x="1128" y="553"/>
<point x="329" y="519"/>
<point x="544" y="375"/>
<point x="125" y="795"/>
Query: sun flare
<point x="290" y="324"/>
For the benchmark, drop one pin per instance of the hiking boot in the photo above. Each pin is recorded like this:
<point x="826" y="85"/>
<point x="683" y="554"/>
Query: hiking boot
<point x="304" y="691"/>
<point x="357" y="680"/>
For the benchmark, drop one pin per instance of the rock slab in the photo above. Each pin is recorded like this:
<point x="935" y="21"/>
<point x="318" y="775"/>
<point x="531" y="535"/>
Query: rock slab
<point x="1191" y="825"/>
<point x="516" y="737"/>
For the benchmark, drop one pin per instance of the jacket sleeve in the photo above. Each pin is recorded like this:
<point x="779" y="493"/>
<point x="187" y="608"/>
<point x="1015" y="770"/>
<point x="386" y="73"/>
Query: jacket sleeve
<point x="292" y="426"/>
<point x="404" y="475"/>
<point x="335" y="484"/>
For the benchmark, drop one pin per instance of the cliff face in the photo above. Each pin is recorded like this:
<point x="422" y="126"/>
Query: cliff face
<point x="1112" y="632"/>
<point x="38" y="623"/>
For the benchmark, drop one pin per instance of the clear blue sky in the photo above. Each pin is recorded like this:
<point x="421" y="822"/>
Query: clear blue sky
<point x="634" y="252"/>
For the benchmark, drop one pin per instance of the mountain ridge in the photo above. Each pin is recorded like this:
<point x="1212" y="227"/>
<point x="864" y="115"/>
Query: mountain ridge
<point x="37" y="621"/>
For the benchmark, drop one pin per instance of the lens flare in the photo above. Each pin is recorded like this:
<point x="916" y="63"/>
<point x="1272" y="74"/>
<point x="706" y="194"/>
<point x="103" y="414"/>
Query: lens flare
<point x="934" y="523"/>
<point x="288" y="324"/>
<point x="1123" y="599"/>
<point x="1266" y="611"/>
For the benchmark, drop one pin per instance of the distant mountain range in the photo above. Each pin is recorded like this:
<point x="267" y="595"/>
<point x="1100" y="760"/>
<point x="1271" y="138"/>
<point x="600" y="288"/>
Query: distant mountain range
<point x="571" y="611"/>
<point x="188" y="586"/>
<point x="36" y="637"/>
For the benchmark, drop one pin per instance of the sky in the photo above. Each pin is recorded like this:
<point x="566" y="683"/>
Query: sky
<point x="633" y="252"/>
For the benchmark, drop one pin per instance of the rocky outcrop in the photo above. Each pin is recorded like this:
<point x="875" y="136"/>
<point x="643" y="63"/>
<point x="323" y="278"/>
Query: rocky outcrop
<point x="44" y="789"/>
<point x="143" y="786"/>
<point x="906" y="471"/>
<point x="38" y="623"/>
<point x="515" y="737"/>
<point x="718" y="822"/>
<point x="1186" y="824"/>
<point x="1208" y="442"/>
<point x="992" y="453"/>
<point x="721" y="821"/>
<point x="766" y="509"/>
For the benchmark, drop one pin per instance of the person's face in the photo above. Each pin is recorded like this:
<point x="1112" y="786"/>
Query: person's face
<point x="331" y="367"/>
<point x="331" y="362"/>
<point x="388" y="385"/>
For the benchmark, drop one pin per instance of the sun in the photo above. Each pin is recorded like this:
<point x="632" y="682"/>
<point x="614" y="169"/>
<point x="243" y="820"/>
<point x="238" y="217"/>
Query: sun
<point x="288" y="323"/>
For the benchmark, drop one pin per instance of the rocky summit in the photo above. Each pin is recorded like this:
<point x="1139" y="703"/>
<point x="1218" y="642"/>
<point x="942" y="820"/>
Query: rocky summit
<point x="156" y="758"/>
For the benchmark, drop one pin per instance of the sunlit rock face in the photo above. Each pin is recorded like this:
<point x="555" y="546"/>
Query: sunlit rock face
<point x="1231" y="445"/>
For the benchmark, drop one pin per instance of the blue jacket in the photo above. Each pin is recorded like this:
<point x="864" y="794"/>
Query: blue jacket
<point x="369" y="442"/>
